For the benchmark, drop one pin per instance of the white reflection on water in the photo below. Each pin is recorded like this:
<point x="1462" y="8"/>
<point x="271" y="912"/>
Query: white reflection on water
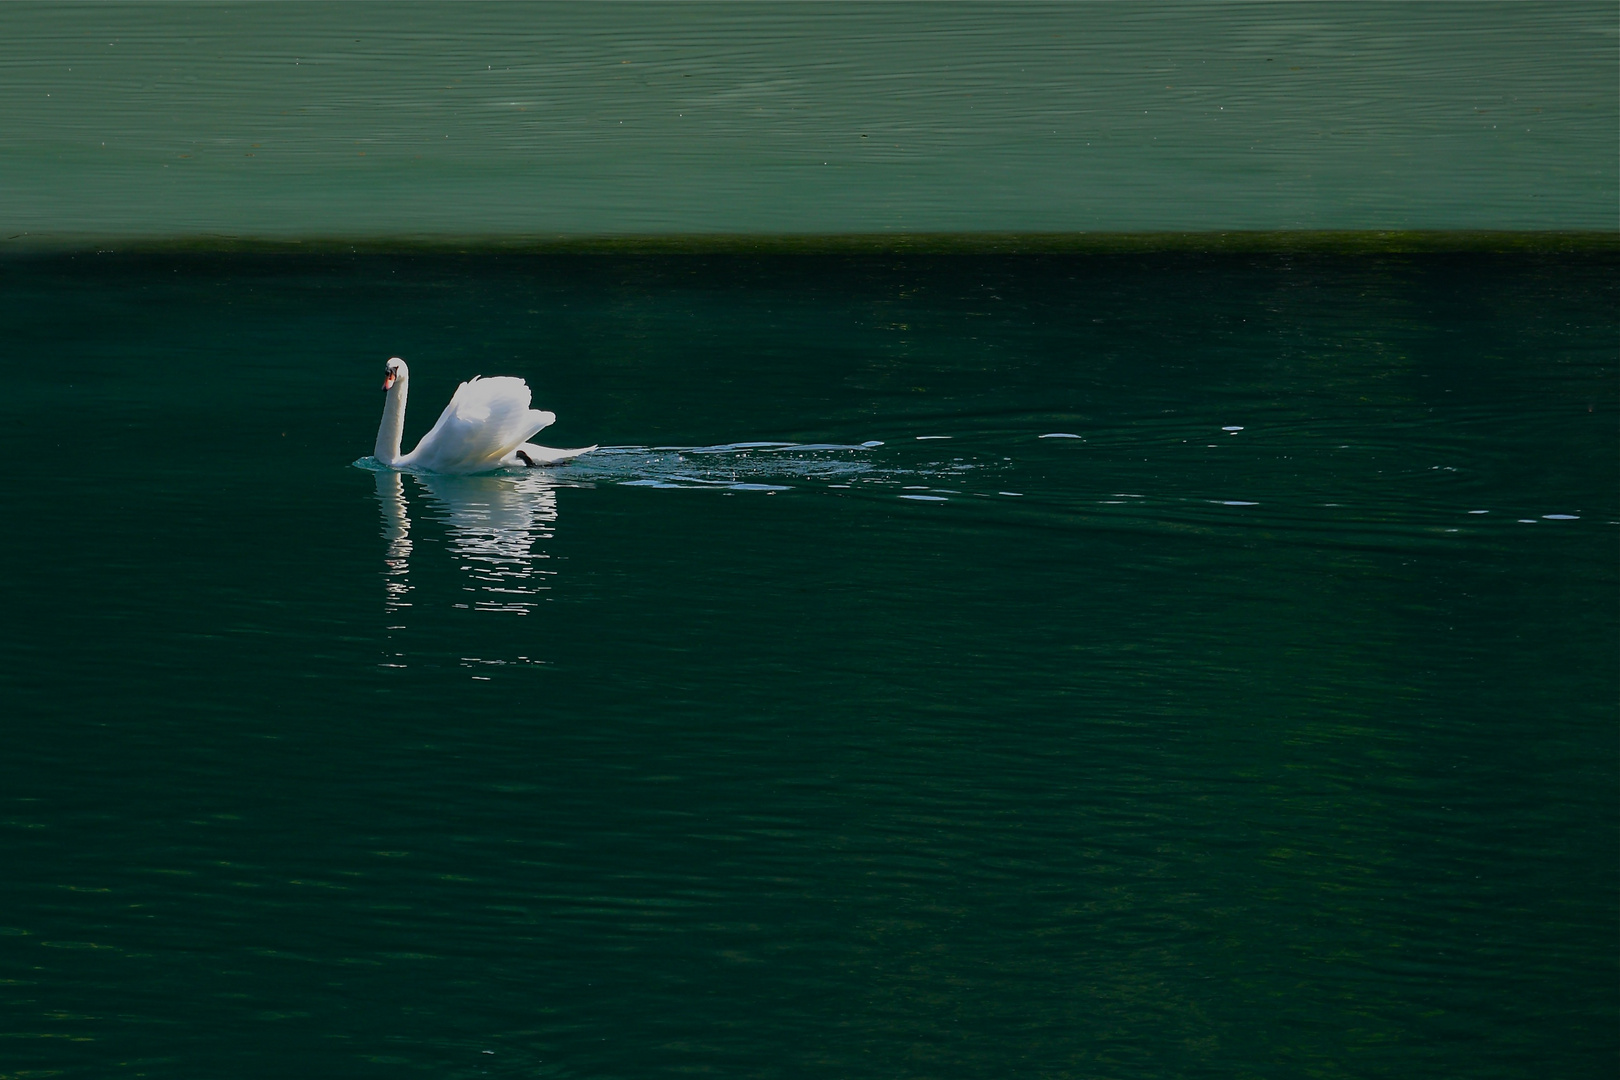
<point x="397" y="531"/>
<point x="492" y="524"/>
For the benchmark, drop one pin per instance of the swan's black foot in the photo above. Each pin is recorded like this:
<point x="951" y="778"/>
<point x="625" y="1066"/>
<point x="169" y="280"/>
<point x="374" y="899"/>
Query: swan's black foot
<point x="527" y="460"/>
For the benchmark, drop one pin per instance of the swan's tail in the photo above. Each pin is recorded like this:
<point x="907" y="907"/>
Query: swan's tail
<point x="529" y="455"/>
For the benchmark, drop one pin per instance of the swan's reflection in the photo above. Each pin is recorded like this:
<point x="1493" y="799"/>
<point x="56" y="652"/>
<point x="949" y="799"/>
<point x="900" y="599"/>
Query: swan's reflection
<point x="397" y="531"/>
<point x="492" y="524"/>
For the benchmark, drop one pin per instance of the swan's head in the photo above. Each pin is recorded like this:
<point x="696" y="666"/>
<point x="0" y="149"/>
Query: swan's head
<point x="394" y="371"/>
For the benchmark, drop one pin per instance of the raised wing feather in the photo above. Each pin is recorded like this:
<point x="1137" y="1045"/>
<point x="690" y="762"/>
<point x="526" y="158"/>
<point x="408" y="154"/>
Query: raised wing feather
<point x="485" y="421"/>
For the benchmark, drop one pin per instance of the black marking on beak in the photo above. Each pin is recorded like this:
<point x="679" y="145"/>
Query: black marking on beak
<point x="527" y="460"/>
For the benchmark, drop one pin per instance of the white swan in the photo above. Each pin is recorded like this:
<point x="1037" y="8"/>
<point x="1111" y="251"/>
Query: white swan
<point x="486" y="426"/>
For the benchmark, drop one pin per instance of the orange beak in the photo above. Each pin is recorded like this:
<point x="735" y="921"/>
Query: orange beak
<point x="388" y="382"/>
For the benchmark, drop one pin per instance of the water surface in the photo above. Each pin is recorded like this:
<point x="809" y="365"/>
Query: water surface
<point x="1134" y="666"/>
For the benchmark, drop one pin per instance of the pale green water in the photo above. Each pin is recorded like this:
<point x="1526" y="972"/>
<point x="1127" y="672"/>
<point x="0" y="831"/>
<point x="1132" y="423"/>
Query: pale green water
<point x="299" y="120"/>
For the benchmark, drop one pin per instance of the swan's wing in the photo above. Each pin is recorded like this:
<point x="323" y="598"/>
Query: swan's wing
<point x="485" y="421"/>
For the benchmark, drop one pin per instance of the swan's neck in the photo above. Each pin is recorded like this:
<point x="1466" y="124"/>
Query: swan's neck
<point x="392" y="427"/>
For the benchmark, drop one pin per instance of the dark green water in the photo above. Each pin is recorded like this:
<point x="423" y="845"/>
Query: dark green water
<point x="1280" y="751"/>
